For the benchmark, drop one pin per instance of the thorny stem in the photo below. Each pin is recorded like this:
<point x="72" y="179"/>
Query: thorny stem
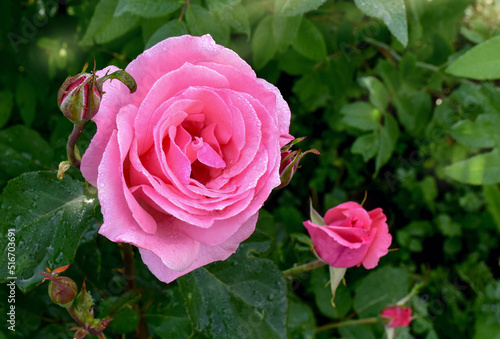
<point x="70" y="147"/>
<point x="304" y="268"/>
<point x="347" y="323"/>
<point x="184" y="8"/>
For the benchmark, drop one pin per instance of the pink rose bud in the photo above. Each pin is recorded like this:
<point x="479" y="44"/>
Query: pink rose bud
<point x="62" y="290"/>
<point x="399" y="316"/>
<point x="290" y="161"/>
<point x="79" y="98"/>
<point x="350" y="236"/>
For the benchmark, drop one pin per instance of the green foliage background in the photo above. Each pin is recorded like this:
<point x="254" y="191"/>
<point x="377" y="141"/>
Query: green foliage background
<point x="401" y="99"/>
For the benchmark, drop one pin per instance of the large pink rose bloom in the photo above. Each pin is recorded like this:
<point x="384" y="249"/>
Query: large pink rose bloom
<point x="352" y="236"/>
<point x="184" y="164"/>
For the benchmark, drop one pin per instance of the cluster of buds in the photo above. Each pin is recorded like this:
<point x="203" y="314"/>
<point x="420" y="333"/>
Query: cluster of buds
<point x="63" y="292"/>
<point x="290" y="161"/>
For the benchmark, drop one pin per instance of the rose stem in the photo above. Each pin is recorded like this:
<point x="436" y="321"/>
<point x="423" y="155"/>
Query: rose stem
<point x="183" y="11"/>
<point x="304" y="268"/>
<point x="128" y="260"/>
<point x="70" y="147"/>
<point x="347" y="323"/>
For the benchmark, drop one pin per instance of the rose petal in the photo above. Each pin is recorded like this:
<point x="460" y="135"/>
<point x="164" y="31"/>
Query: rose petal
<point x="381" y="241"/>
<point x="332" y="251"/>
<point x="206" y="254"/>
<point x="165" y="88"/>
<point x="209" y="157"/>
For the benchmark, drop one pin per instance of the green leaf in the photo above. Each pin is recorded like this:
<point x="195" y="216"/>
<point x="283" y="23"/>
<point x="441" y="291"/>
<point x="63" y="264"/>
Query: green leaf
<point x="485" y="328"/>
<point x="323" y="295"/>
<point x="200" y="22"/>
<point x="380" y="288"/>
<point x="389" y="134"/>
<point x="379" y="96"/>
<point x="105" y="27"/>
<point x="285" y="30"/>
<point x="413" y="109"/>
<point x="113" y="305"/>
<point x="391" y="12"/>
<point x="231" y="13"/>
<point x="263" y="44"/>
<point x="429" y="190"/>
<point x="147" y="8"/>
<point x="311" y="91"/>
<point x="447" y="226"/>
<point x="23" y="150"/>
<point x="170" y="29"/>
<point x="492" y="197"/>
<point x="26" y="100"/>
<point x="296" y="7"/>
<point x="366" y="145"/>
<point x="482" y="169"/>
<point x="471" y="35"/>
<point x="361" y="115"/>
<point x="481" y="62"/>
<point x="411" y="237"/>
<point x="301" y="320"/>
<point x="236" y="17"/>
<point x="125" y="319"/>
<point x="482" y="132"/>
<point x="6" y="104"/>
<point x="242" y="297"/>
<point x="310" y="42"/>
<point x="167" y="315"/>
<point x="49" y="217"/>
<point x="216" y="6"/>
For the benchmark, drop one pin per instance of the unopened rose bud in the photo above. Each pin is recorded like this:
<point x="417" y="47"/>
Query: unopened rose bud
<point x="290" y="161"/>
<point x="79" y="98"/>
<point x="62" y="291"/>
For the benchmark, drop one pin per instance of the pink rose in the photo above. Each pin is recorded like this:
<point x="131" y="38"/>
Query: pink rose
<point x="184" y="164"/>
<point x="400" y="316"/>
<point x="352" y="236"/>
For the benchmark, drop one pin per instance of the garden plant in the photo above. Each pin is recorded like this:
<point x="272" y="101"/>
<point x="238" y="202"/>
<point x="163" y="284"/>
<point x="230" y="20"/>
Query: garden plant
<point x="250" y="169"/>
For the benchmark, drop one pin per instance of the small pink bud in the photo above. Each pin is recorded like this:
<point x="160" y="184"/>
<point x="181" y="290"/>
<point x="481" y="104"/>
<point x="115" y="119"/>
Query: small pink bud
<point x="399" y="316"/>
